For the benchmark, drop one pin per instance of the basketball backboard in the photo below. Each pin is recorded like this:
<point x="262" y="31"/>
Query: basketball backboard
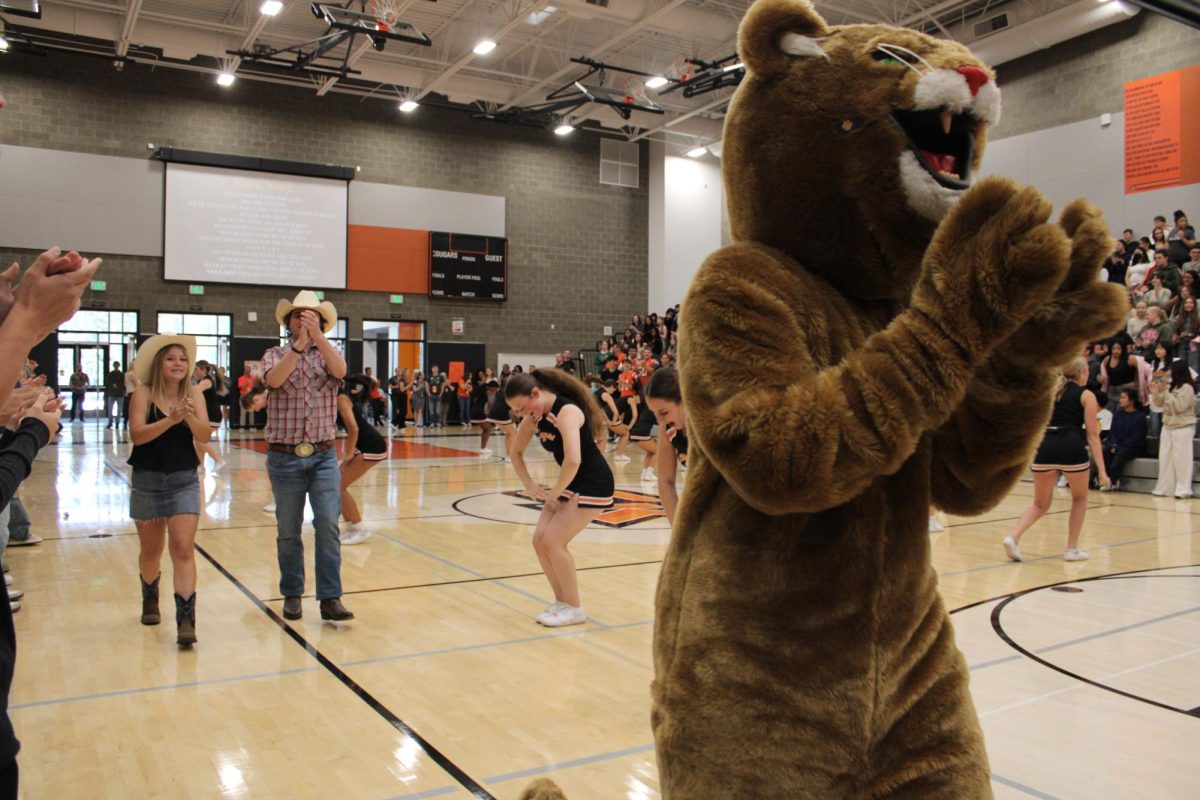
<point x="351" y="21"/>
<point x="609" y="96"/>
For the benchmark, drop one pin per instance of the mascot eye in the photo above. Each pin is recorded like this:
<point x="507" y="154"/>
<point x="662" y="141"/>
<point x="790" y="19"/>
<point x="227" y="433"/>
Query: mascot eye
<point x="892" y="56"/>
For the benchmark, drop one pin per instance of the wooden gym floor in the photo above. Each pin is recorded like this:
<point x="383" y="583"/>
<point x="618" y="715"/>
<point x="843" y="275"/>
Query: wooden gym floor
<point x="1085" y="674"/>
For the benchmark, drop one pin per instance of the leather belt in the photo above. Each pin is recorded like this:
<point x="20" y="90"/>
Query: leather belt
<point x="303" y="450"/>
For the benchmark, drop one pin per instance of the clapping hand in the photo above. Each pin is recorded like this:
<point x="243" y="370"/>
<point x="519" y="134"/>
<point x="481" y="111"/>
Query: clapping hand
<point x="47" y="408"/>
<point x="181" y="410"/>
<point x="49" y="291"/>
<point x="18" y="402"/>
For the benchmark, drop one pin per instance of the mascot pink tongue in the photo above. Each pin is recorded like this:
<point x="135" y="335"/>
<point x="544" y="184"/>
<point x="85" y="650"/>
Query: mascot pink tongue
<point x="880" y="338"/>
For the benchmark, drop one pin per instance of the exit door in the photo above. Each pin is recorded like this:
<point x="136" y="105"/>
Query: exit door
<point x="94" y="361"/>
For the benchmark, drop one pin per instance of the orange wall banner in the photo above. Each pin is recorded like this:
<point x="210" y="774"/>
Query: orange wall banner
<point x="387" y="260"/>
<point x="1155" y="155"/>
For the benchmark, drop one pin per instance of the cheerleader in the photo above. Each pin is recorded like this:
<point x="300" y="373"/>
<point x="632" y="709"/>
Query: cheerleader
<point x="1073" y="426"/>
<point x="666" y="403"/>
<point x="500" y="416"/>
<point x="481" y="391"/>
<point x="640" y="433"/>
<point x="567" y="422"/>
<point x="364" y="449"/>
<point x="619" y="415"/>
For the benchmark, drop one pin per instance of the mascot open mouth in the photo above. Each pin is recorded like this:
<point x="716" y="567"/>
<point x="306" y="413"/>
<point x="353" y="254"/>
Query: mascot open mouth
<point x="943" y="143"/>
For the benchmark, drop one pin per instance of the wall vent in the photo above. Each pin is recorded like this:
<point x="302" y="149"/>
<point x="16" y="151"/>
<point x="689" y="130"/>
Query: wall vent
<point x="991" y="25"/>
<point x="619" y="163"/>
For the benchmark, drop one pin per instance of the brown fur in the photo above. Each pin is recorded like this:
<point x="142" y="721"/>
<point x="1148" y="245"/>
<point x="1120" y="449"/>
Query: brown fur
<point x="844" y="365"/>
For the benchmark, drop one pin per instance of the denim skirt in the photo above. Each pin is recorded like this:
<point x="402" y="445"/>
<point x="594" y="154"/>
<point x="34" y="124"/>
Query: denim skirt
<point x="158" y="495"/>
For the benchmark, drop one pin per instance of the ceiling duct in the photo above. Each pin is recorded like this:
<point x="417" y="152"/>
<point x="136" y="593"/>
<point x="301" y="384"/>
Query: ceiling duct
<point x="1054" y="28"/>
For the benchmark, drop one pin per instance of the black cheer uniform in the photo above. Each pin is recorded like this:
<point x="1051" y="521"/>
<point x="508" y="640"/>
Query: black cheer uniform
<point x="500" y="413"/>
<point x="370" y="444"/>
<point x="594" y="480"/>
<point x="479" y="404"/>
<point x="678" y="440"/>
<point x="1064" y="447"/>
<point x="640" y="432"/>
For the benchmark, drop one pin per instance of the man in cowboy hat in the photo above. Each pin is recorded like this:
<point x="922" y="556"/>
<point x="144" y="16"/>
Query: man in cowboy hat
<point x="304" y="376"/>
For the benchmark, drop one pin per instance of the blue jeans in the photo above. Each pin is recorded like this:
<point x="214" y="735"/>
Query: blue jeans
<point x="319" y="477"/>
<point x="431" y="410"/>
<point x="464" y="410"/>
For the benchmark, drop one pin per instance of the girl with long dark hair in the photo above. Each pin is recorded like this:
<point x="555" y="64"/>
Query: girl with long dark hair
<point x="364" y="449"/>
<point x="563" y="413"/>
<point x="205" y="378"/>
<point x="666" y="403"/>
<point x="479" y="408"/>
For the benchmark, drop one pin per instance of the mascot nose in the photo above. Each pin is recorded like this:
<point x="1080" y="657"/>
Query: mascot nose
<point x="975" y="78"/>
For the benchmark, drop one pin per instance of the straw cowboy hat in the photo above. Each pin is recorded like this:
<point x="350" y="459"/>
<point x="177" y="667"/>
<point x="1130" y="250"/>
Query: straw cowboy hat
<point x="149" y="349"/>
<point x="307" y="299"/>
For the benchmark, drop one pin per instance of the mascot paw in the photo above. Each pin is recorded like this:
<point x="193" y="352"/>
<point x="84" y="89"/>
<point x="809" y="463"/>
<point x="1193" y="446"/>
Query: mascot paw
<point x="543" y="789"/>
<point x="1084" y="308"/>
<point x="993" y="260"/>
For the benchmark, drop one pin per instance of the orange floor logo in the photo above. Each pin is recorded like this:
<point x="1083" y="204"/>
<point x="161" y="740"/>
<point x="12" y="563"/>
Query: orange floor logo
<point x="629" y="508"/>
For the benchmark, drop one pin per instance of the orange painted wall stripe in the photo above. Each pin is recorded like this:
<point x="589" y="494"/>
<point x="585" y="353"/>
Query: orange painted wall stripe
<point x="387" y="260"/>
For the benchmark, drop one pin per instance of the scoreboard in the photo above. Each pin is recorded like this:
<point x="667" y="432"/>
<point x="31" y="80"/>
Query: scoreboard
<point x="465" y="267"/>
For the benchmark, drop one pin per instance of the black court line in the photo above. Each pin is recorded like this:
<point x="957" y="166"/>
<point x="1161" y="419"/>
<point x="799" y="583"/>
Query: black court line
<point x="267" y="523"/>
<point x="438" y="757"/>
<point x="1068" y="581"/>
<point x="478" y="580"/>
<point x="999" y="629"/>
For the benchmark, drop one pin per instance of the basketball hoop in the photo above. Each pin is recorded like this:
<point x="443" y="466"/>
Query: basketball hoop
<point x="386" y="13"/>
<point x="634" y="89"/>
<point x="680" y="69"/>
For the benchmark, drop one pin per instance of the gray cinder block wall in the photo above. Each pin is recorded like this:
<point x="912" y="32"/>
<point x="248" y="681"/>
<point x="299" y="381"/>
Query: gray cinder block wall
<point x="1086" y="76"/>
<point x="577" y="248"/>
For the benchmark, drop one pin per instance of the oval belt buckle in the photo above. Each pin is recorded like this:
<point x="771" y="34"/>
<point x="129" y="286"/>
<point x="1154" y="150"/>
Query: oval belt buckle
<point x="305" y="449"/>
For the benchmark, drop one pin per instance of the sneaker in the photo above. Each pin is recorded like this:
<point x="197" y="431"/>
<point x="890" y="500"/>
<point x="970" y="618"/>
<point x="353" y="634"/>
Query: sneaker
<point x="550" y="611"/>
<point x="566" y="615"/>
<point x="15" y="607"/>
<point x="1075" y="555"/>
<point x="622" y="459"/>
<point x="934" y="525"/>
<point x="269" y="507"/>
<point x="1012" y="549"/>
<point x="1159" y="494"/>
<point x="15" y="594"/>
<point x="648" y="474"/>
<point x="1062" y="481"/>
<point x="7" y="579"/>
<point x="485" y="452"/>
<point x="33" y="539"/>
<point x="1177" y="497"/>
<point x="1106" y="487"/>
<point x="354" y="535"/>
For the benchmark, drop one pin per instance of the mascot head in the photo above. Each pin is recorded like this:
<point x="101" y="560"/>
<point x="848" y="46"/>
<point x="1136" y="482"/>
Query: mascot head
<point x="845" y="145"/>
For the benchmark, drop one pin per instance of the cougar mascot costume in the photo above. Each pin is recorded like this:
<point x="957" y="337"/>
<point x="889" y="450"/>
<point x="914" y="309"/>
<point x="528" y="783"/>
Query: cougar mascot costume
<point x="881" y="337"/>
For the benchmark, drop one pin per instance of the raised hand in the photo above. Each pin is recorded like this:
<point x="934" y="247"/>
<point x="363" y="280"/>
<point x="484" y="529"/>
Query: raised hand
<point x="48" y="409"/>
<point x="1084" y="308"/>
<point x="993" y="259"/>
<point x="49" y="291"/>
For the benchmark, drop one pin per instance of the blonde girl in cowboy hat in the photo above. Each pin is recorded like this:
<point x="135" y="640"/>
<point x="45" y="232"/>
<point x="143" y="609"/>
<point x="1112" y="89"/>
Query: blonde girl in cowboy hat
<point x="165" y="415"/>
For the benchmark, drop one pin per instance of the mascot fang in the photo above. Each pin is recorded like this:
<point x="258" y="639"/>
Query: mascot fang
<point x="880" y="338"/>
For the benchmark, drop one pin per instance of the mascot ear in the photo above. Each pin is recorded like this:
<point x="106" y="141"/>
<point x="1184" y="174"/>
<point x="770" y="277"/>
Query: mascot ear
<point x="776" y="32"/>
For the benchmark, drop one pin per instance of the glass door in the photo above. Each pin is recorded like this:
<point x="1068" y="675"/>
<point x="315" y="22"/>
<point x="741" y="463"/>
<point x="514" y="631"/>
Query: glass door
<point x="93" y="361"/>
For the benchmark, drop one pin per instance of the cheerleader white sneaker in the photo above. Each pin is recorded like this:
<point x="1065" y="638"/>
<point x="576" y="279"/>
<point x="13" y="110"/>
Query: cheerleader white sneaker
<point x="550" y="611"/>
<point x="354" y="533"/>
<point x="269" y="507"/>
<point x="1012" y="549"/>
<point x="622" y="459"/>
<point x="1075" y="555"/>
<point x="565" y="615"/>
<point x="648" y="474"/>
<point x="934" y="525"/>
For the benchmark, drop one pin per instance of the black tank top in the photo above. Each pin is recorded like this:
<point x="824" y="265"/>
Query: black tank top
<point x="1068" y="411"/>
<point x="170" y="451"/>
<point x="212" y="404"/>
<point x="591" y="460"/>
<point x="1122" y="374"/>
<point x="679" y="442"/>
<point x="369" y="440"/>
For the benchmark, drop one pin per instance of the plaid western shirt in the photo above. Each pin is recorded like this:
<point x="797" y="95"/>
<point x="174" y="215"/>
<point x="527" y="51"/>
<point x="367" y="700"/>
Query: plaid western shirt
<point x="304" y="407"/>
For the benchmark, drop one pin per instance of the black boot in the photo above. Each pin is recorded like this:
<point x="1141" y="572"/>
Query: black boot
<point x="185" y="620"/>
<point x="150" y="615"/>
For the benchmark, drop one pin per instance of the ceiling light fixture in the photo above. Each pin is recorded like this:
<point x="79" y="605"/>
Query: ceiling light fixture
<point x="697" y="152"/>
<point x="657" y="82"/>
<point x="226" y="79"/>
<point x="564" y="128"/>
<point x="409" y="105"/>
<point x="485" y="47"/>
<point x="271" y="7"/>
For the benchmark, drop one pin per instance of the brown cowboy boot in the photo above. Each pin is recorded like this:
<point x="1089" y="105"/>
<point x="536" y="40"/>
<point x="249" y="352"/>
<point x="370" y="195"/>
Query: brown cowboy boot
<point x="185" y="620"/>
<point x="150" y="615"/>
